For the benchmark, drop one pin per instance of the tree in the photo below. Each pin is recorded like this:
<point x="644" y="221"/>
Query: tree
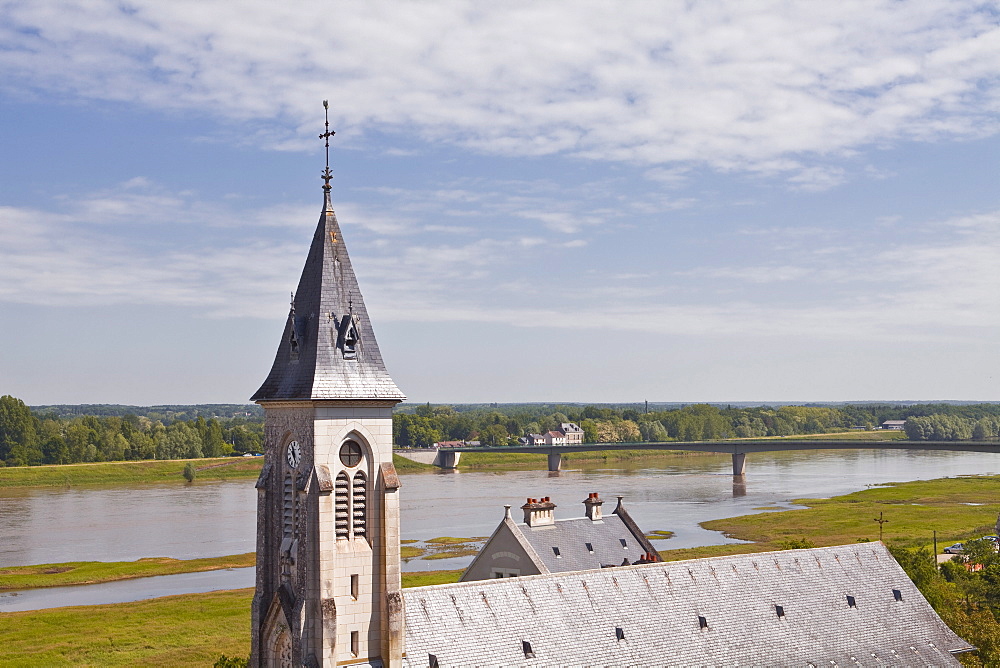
<point x="212" y="443"/>
<point x="653" y="431"/>
<point x="19" y="443"/>
<point x="182" y="440"/>
<point x="189" y="472"/>
<point x="493" y="435"/>
<point x="81" y="441"/>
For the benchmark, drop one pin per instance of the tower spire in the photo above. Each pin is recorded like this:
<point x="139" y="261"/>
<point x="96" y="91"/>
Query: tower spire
<point x="327" y="174"/>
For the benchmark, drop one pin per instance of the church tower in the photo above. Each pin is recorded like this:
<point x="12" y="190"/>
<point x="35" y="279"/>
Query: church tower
<point x="328" y="574"/>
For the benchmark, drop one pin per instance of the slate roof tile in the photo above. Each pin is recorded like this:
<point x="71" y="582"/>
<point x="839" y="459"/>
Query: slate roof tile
<point x="570" y="618"/>
<point x="312" y="361"/>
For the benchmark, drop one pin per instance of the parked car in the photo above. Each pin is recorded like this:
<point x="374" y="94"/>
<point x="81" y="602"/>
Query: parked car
<point x="954" y="549"/>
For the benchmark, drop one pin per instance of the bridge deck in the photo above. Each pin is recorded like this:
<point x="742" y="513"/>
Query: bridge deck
<point x="747" y="446"/>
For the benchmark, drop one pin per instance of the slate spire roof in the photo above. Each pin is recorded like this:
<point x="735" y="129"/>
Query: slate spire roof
<point x="328" y="348"/>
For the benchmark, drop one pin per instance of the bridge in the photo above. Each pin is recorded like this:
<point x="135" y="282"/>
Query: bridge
<point x="448" y="458"/>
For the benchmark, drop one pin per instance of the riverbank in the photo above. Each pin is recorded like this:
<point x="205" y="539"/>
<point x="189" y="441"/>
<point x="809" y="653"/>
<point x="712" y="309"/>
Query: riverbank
<point x="97" y="572"/>
<point x="229" y="468"/>
<point x="115" y="473"/>
<point x="187" y="630"/>
<point x="41" y="576"/>
<point x="958" y="509"/>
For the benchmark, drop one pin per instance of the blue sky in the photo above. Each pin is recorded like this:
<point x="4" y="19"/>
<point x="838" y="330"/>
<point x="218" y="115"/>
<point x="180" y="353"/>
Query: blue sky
<point x="725" y="201"/>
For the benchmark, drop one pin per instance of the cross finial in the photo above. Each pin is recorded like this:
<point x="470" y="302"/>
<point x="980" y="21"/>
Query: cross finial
<point x="327" y="174"/>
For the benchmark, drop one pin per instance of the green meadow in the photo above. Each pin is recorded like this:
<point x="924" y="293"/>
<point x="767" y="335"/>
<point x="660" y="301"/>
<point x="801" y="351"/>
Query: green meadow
<point x="187" y="630"/>
<point x="116" y="473"/>
<point x="957" y="508"/>
<point x="95" y="572"/>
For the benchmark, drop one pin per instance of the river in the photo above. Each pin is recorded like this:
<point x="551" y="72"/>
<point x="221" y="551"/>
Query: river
<point x="676" y="494"/>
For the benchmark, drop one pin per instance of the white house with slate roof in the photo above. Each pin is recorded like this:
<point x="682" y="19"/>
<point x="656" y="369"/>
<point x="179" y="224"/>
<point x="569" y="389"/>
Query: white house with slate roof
<point x="543" y="544"/>
<point x="328" y="564"/>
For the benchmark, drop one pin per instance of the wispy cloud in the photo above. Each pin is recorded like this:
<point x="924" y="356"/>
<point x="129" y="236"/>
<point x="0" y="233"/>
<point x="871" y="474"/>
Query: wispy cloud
<point x="731" y="85"/>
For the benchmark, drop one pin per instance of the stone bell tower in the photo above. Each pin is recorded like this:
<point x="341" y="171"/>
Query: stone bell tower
<point x="328" y="582"/>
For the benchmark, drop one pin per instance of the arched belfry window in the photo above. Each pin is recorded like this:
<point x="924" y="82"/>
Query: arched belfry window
<point x="342" y="501"/>
<point x="351" y="493"/>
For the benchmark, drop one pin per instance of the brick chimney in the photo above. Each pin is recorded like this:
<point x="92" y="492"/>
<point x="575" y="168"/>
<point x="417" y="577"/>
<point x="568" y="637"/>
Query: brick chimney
<point x="538" y="512"/>
<point x="593" y="504"/>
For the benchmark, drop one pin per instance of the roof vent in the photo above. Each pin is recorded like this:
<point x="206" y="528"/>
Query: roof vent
<point x="898" y="595"/>
<point x="779" y="610"/>
<point x="851" y="602"/>
<point x="556" y="550"/>
<point x="624" y="544"/>
<point x="432" y="661"/>
<point x="526" y="648"/>
<point x="702" y="622"/>
<point x="590" y="547"/>
<point x="620" y="633"/>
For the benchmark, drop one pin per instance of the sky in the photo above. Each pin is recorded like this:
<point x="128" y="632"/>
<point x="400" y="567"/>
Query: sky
<point x="543" y="201"/>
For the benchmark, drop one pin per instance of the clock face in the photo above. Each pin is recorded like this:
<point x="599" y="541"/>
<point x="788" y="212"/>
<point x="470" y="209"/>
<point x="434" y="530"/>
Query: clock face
<point x="293" y="454"/>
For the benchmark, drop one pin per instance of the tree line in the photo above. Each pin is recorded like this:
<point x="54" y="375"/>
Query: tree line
<point x="498" y="425"/>
<point x="71" y="434"/>
<point x="28" y="439"/>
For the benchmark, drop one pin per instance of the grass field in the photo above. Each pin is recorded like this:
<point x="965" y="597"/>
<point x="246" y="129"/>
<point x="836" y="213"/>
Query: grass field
<point x="113" y="473"/>
<point x="150" y="471"/>
<point x="94" y="572"/>
<point x="957" y="508"/>
<point x="188" y="630"/>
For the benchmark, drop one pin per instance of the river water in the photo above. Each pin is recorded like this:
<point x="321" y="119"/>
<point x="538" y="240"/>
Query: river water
<point x="217" y="518"/>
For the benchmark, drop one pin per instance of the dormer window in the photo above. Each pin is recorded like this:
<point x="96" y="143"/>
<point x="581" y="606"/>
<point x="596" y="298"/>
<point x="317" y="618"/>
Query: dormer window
<point x="293" y="338"/>
<point x="349" y="336"/>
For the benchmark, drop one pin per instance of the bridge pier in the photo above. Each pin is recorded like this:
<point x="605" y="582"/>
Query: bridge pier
<point x="555" y="461"/>
<point x="447" y="459"/>
<point x="739" y="463"/>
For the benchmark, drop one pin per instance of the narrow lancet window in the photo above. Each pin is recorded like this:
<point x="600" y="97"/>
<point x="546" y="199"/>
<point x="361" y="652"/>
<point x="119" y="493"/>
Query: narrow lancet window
<point x="359" y="504"/>
<point x="342" y="501"/>
<point x="288" y="506"/>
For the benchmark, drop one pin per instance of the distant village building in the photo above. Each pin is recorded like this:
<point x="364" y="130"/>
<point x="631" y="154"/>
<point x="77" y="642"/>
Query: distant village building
<point x="573" y="433"/>
<point x="568" y="433"/>
<point x="896" y="425"/>
<point x="543" y="544"/>
<point x="555" y="438"/>
<point x="456" y="444"/>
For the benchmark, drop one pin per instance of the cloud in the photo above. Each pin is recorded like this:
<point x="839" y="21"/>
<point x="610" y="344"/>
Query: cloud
<point x="139" y="243"/>
<point x="937" y="282"/>
<point x="731" y="85"/>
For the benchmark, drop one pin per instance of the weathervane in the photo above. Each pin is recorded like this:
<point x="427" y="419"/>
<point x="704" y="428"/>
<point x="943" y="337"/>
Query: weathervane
<point x="327" y="174"/>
